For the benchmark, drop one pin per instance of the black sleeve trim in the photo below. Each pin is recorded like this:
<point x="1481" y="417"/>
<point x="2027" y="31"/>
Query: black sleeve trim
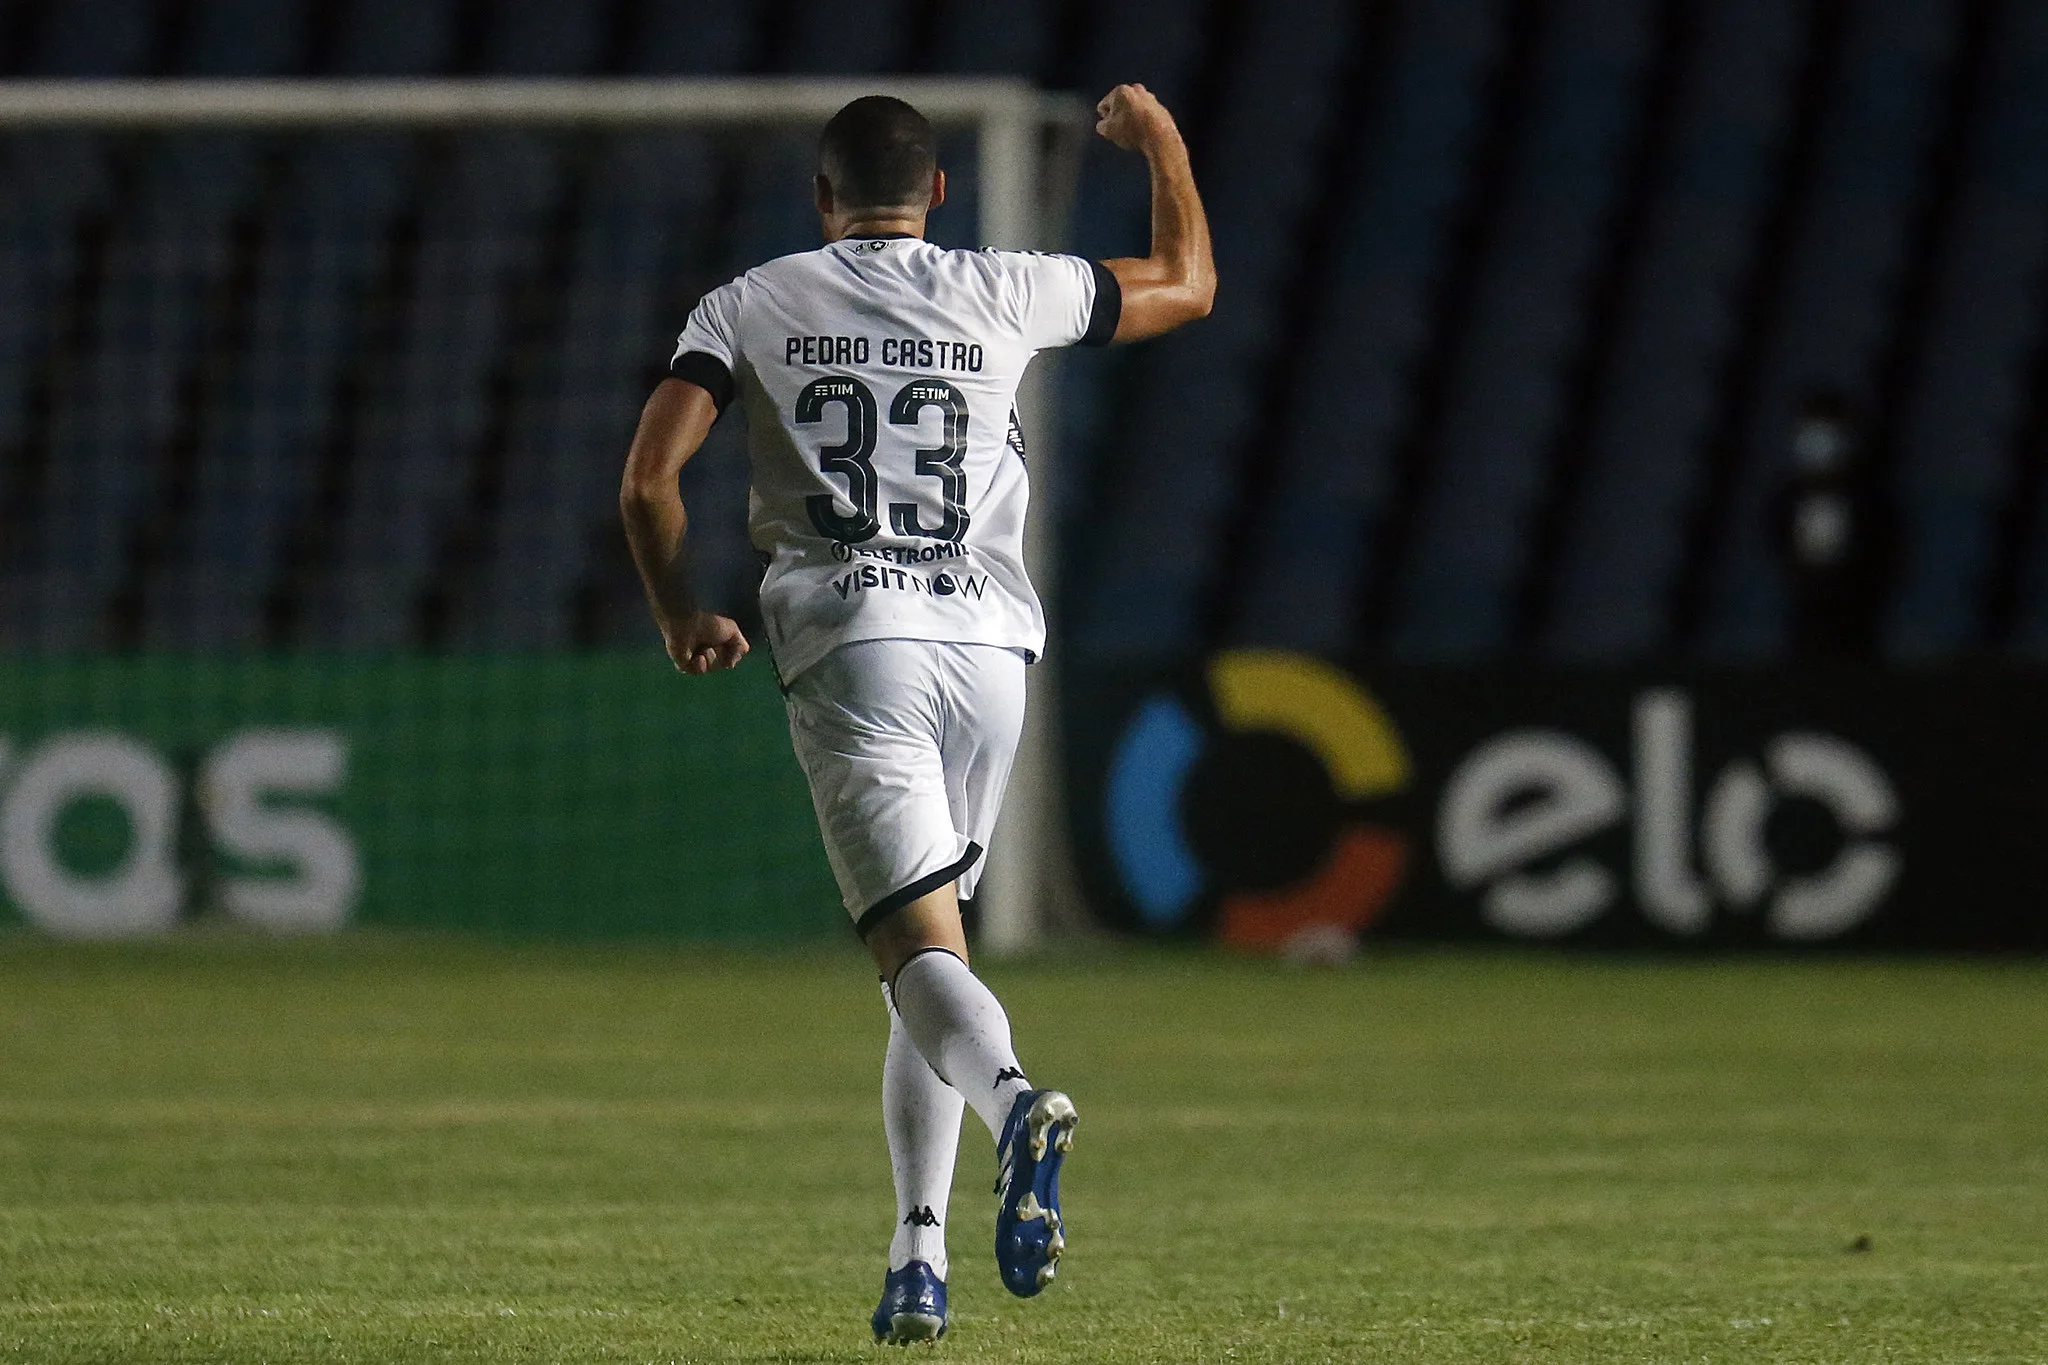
<point x="707" y="372"/>
<point x="1108" y="310"/>
<point x="930" y="881"/>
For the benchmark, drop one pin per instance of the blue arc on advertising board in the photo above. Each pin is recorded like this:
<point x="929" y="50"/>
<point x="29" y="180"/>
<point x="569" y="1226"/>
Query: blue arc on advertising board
<point x="1304" y="700"/>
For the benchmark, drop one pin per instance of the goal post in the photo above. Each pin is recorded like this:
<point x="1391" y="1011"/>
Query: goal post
<point x="1026" y="143"/>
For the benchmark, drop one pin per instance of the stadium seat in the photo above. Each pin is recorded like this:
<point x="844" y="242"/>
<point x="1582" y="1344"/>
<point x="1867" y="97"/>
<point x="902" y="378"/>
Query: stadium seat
<point x="1154" y="46"/>
<point x="396" y="38"/>
<point x="154" y="310"/>
<point x="1403" y="176"/>
<point x="480" y="242"/>
<point x="59" y="177"/>
<point x="326" y="241"/>
<point x="706" y="37"/>
<point x="1623" y="548"/>
<point x="641" y="223"/>
<point x="1154" y="544"/>
<point x="1954" y="460"/>
<point x="1013" y="38"/>
<point x="835" y="37"/>
<point x="776" y="215"/>
<point x="1158" y="47"/>
<point x="245" y="38"/>
<point x="544" y="38"/>
<point x="96" y="38"/>
<point x="504" y="333"/>
<point x="1837" y="307"/>
<point x="1528" y="321"/>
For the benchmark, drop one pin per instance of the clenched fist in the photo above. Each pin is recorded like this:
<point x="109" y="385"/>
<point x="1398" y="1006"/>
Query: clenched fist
<point x="702" y="643"/>
<point x="1133" y="118"/>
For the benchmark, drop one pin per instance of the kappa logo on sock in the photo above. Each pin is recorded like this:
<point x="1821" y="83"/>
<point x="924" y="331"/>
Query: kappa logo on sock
<point x="921" y="1217"/>
<point x="1009" y="1073"/>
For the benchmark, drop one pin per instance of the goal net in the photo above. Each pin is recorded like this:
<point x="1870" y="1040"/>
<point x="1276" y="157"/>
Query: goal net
<point x="313" y="397"/>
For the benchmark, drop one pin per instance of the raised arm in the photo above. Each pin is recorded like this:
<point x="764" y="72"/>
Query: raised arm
<point x="1177" y="282"/>
<point x="673" y="426"/>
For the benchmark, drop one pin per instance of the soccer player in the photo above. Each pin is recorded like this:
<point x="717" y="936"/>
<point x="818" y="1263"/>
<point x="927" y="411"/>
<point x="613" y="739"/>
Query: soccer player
<point x="878" y="375"/>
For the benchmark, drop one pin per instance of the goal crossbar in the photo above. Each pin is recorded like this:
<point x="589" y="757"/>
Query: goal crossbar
<point x="510" y="101"/>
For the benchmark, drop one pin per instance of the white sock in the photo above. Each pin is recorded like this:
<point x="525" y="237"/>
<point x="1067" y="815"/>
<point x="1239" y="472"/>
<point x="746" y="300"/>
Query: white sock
<point x="921" y="1114"/>
<point x="961" y="1029"/>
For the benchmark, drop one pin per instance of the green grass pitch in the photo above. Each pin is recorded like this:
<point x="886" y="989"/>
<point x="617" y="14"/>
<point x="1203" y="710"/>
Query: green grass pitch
<point x="390" y="1151"/>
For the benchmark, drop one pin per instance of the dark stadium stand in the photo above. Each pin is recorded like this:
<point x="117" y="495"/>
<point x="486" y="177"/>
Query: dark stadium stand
<point x="121" y="395"/>
<point x="443" y="386"/>
<point x="545" y="38"/>
<point x="1846" y="258"/>
<point x="1159" y="47"/>
<point x="705" y="38"/>
<point x="1518" y="298"/>
<point x="94" y="38"/>
<point x="1330" y="478"/>
<point x="1526" y="320"/>
<point x="259" y="461"/>
<point x="1176" y="483"/>
<point x="992" y="39"/>
<point x="395" y="38"/>
<point x="1675" y="321"/>
<point x="244" y="38"/>
<point x="1956" y="449"/>
<point x="633" y="216"/>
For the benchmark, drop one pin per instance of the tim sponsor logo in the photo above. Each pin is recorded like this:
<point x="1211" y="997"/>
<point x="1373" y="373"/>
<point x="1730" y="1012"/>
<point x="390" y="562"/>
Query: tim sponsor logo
<point x="881" y="577"/>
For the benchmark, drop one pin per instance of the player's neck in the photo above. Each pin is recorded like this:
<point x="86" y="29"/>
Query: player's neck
<point x="876" y="225"/>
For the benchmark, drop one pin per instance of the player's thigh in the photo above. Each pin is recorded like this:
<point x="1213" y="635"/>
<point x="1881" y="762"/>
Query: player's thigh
<point x="984" y="699"/>
<point x="866" y="735"/>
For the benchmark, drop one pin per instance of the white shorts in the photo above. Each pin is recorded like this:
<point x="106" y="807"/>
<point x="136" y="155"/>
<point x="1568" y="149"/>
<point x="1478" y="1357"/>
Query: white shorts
<point x="907" y="745"/>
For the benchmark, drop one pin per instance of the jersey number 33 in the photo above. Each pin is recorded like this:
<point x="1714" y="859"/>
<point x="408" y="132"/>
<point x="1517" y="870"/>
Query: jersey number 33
<point x="854" y="459"/>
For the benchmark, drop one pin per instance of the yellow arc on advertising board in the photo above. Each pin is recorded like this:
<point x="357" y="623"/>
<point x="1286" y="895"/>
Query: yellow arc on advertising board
<point x="1315" y="703"/>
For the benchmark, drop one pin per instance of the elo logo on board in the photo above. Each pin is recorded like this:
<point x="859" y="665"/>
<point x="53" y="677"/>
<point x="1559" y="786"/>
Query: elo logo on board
<point x="1277" y="810"/>
<point x="1304" y="752"/>
<point x="1526" y="796"/>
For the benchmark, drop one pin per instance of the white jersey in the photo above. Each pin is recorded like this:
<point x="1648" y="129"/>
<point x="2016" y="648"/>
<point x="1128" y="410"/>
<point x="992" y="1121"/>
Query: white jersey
<point x="880" y="376"/>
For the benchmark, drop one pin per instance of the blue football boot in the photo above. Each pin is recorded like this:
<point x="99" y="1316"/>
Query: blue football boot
<point x="913" y="1306"/>
<point x="1029" y="1242"/>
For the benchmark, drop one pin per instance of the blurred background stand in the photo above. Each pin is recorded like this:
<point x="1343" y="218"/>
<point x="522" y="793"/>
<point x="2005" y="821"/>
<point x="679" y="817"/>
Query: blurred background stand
<point x="1837" y="535"/>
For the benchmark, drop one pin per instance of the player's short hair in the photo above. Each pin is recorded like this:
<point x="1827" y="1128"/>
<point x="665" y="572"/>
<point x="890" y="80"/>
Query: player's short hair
<point x="878" y="153"/>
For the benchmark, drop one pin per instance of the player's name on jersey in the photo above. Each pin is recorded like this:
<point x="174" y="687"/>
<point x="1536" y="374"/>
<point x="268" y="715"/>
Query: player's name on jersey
<point x="903" y="353"/>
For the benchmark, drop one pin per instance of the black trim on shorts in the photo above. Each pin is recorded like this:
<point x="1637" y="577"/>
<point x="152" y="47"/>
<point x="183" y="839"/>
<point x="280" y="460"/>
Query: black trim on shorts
<point x="929" y="882"/>
<point x="1108" y="309"/>
<point x="707" y="372"/>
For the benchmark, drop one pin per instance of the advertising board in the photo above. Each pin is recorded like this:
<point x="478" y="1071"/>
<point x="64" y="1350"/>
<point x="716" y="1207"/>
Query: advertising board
<point x="1277" y="801"/>
<point x="594" y="795"/>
